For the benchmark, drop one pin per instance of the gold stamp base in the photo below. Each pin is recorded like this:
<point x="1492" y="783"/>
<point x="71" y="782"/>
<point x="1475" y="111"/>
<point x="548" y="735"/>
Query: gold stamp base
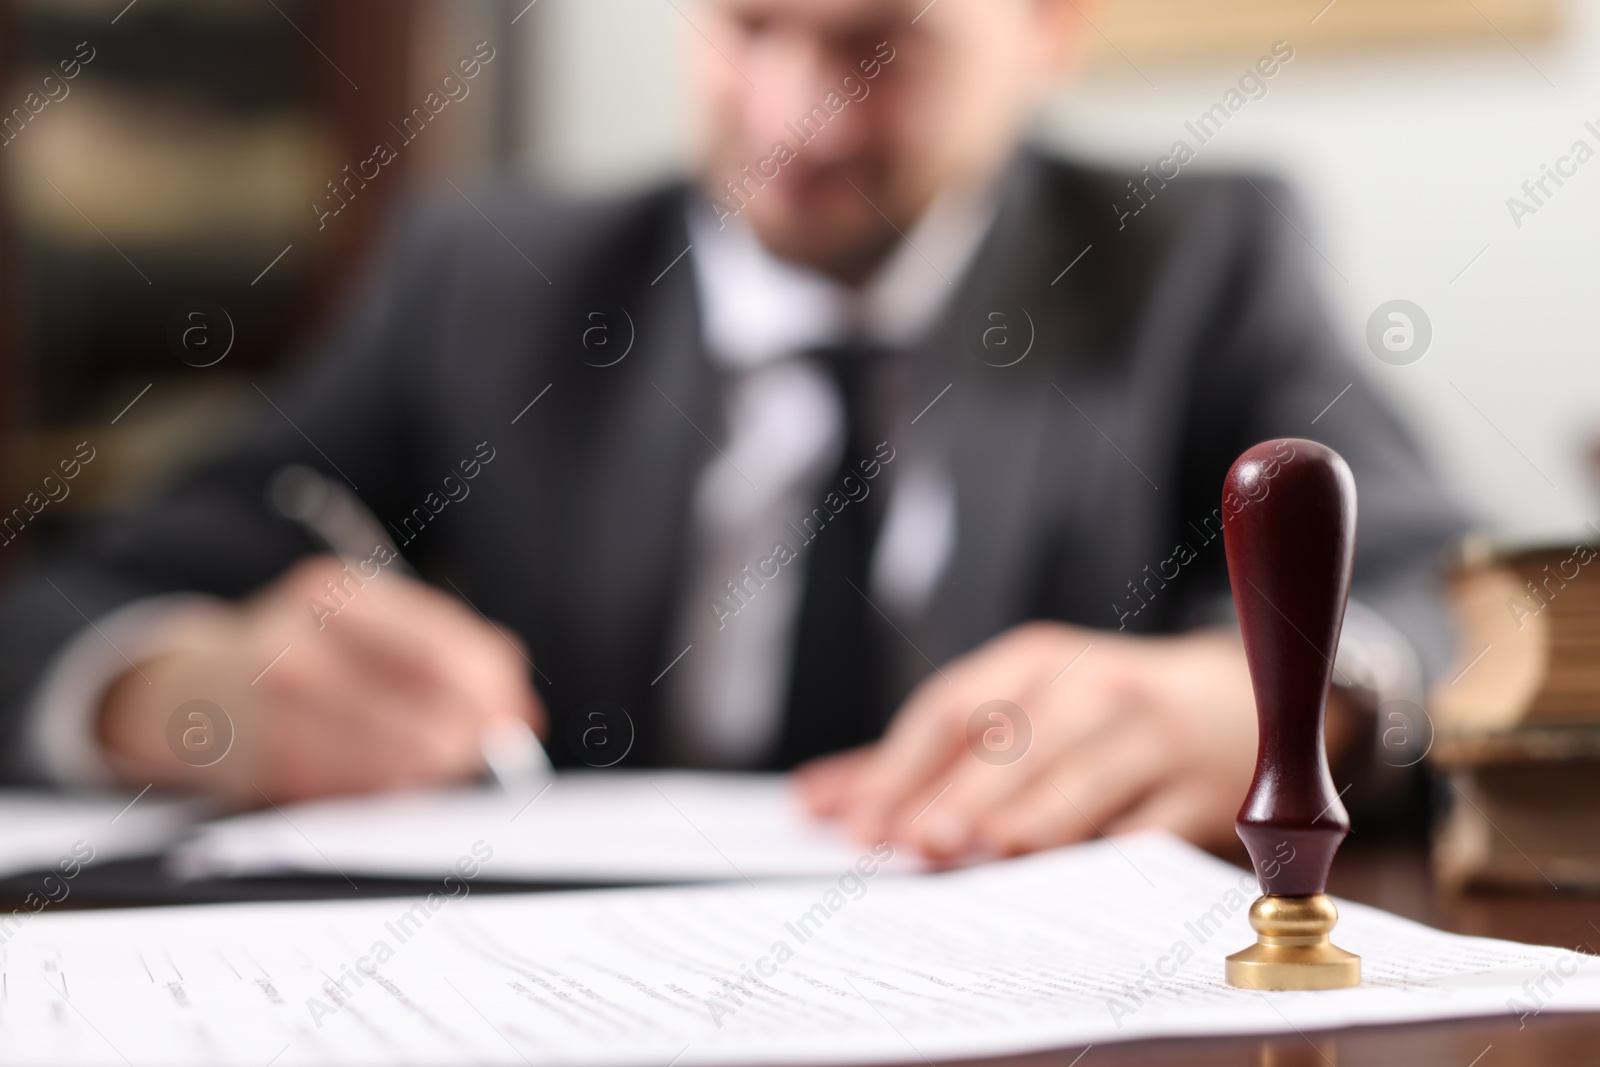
<point x="1292" y="950"/>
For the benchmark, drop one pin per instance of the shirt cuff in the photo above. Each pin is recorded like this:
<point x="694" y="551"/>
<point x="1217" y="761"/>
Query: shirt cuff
<point x="1378" y="667"/>
<point x="1380" y="671"/>
<point x="59" y="718"/>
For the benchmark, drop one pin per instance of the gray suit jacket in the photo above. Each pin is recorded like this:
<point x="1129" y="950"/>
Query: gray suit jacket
<point x="1182" y="336"/>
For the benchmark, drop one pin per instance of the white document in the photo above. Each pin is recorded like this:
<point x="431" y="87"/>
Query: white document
<point x="40" y="831"/>
<point x="1102" y="942"/>
<point x="589" y="827"/>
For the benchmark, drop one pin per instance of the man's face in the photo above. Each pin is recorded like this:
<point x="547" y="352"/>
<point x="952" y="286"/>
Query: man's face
<point x="837" y="121"/>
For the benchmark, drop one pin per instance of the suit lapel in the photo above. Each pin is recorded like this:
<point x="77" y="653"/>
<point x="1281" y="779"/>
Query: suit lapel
<point x="994" y="429"/>
<point x="645" y="421"/>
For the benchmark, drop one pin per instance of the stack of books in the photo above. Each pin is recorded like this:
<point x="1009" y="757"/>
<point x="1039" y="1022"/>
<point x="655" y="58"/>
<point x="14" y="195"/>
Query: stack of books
<point x="1517" y="721"/>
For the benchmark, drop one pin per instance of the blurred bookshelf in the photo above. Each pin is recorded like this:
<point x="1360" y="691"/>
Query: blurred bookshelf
<point x="163" y="157"/>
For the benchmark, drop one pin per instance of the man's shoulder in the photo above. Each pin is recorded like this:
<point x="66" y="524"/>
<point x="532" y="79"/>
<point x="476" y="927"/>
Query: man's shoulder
<point x="484" y="223"/>
<point x="1147" y="208"/>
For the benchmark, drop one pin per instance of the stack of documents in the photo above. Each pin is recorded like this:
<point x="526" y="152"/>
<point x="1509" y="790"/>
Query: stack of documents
<point x="1108" y="941"/>
<point x="42" y="831"/>
<point x="586" y="827"/>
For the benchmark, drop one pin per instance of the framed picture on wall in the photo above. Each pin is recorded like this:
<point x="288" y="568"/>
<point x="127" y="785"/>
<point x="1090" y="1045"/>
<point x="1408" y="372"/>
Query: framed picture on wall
<point x="1173" y="30"/>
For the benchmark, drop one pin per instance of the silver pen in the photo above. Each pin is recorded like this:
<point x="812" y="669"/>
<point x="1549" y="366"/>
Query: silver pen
<point x="335" y="517"/>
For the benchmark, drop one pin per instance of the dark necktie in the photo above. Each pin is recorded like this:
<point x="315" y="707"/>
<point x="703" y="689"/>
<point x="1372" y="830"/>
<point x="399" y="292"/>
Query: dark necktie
<point x="835" y="699"/>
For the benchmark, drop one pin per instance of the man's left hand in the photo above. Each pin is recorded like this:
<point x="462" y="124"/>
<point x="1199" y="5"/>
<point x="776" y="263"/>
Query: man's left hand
<point x="1137" y="732"/>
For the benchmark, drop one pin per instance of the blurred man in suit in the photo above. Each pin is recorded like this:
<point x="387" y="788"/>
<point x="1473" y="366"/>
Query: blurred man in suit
<point x="887" y="448"/>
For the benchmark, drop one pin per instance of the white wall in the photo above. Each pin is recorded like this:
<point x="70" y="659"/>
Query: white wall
<point x="607" y="103"/>
<point x="1403" y="159"/>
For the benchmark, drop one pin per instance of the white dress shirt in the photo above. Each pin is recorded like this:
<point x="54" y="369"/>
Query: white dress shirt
<point x="784" y="420"/>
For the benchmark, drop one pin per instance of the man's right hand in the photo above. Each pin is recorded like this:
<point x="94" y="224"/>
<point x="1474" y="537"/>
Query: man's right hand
<point x="394" y="689"/>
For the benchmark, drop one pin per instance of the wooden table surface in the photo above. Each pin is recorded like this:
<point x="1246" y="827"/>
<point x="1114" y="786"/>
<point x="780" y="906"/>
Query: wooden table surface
<point x="1393" y="877"/>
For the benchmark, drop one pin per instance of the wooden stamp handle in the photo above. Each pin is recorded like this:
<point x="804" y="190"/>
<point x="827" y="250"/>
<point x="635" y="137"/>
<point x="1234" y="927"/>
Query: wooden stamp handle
<point x="1289" y="521"/>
